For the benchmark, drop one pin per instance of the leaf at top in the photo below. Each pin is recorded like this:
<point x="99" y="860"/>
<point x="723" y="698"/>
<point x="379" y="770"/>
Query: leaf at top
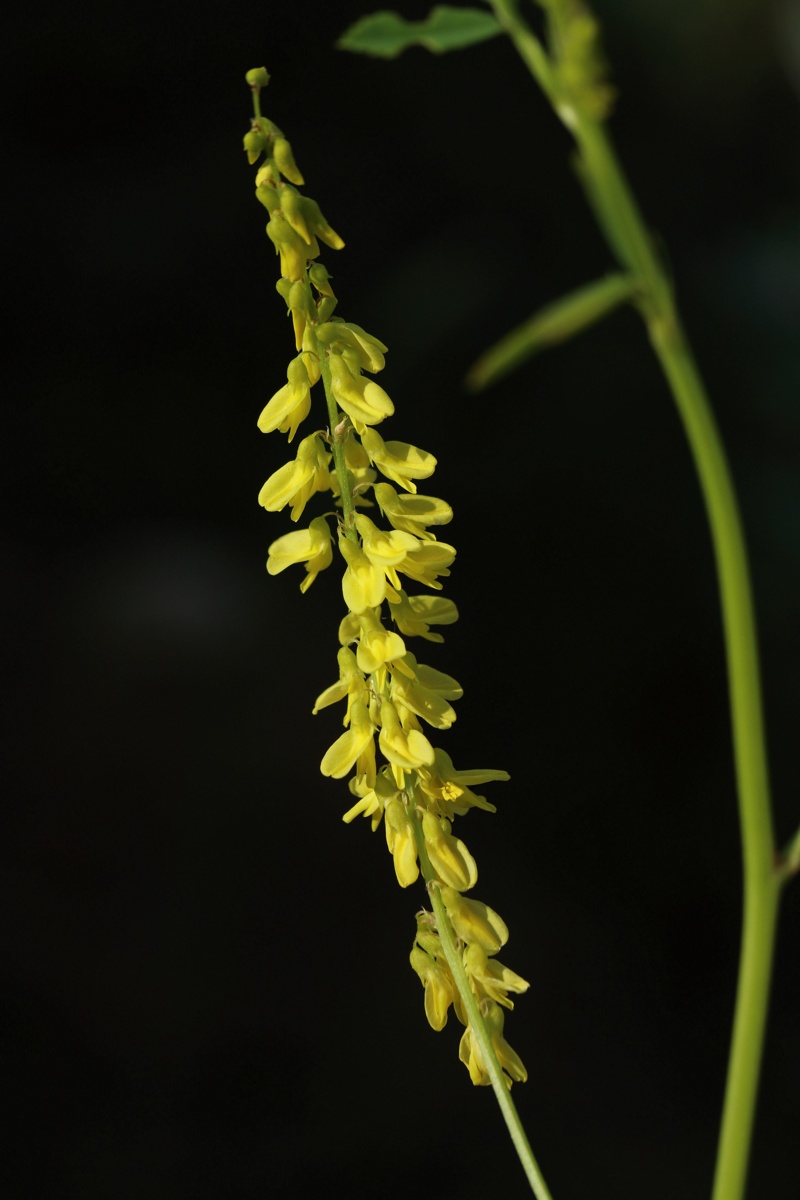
<point x="387" y="34"/>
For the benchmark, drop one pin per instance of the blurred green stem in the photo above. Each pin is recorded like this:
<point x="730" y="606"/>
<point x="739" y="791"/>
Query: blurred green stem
<point x="619" y="218"/>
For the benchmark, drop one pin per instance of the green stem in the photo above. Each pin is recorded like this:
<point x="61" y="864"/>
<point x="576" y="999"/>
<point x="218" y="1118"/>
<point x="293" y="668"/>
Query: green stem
<point x="620" y="220"/>
<point x="340" y="429"/>
<point x="476" y="1021"/>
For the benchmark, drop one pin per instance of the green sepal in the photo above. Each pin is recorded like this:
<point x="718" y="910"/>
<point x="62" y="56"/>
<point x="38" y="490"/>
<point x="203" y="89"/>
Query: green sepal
<point x="387" y="34"/>
<point x="552" y="324"/>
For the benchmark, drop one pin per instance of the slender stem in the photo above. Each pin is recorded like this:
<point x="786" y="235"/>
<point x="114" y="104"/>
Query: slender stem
<point x="340" y="429"/>
<point x="620" y="220"/>
<point x="477" y="1023"/>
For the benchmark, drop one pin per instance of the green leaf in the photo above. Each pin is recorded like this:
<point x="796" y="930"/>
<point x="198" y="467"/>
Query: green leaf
<point x="387" y="34"/>
<point x="552" y="324"/>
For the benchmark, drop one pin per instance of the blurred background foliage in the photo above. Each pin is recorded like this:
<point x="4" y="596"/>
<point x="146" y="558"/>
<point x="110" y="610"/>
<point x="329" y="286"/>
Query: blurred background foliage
<point x="205" y="985"/>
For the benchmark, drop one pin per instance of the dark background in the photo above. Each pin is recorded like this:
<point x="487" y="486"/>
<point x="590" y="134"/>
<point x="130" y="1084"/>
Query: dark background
<point x="205" y="981"/>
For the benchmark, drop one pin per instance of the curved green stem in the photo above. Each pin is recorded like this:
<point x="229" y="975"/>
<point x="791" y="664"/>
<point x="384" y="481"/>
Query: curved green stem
<point x="618" y="215"/>
<point x="472" y="1009"/>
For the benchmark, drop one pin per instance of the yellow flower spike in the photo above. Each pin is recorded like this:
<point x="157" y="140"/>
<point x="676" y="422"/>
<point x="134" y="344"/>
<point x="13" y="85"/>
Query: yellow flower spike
<point x="438" y="983"/>
<point x="398" y="460"/>
<point x="406" y="749"/>
<point x="475" y="922"/>
<point x="291" y="404"/>
<point x="363" y="584"/>
<point x="412" y="513"/>
<point x="296" y="482"/>
<point x="401" y="842"/>
<point x="449" y="857"/>
<point x="311" y="546"/>
<point x="490" y="978"/>
<point x="342" y="756"/>
<point x="470" y="1052"/>
<point x="364" y="401"/>
<point x="282" y="153"/>
<point x="413" y="615"/>
<point x="377" y="645"/>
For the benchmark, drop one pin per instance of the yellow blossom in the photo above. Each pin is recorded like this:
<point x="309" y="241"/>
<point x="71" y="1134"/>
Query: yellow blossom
<point x="311" y="546"/>
<point x="450" y="790"/>
<point x="291" y="404"/>
<point x="470" y="1052"/>
<point x="342" y="756"/>
<point x="426" y="692"/>
<point x="296" y="482"/>
<point x="438" y="983"/>
<point x="449" y="857"/>
<point x="401" y="842"/>
<point x="413" y="615"/>
<point x="490" y="978"/>
<point x="474" y="921"/>
<point x="363" y="584"/>
<point x="406" y="749"/>
<point x="376" y="645"/>
<point x="412" y="513"/>
<point x="364" y="401"/>
<point x="398" y="460"/>
<point x="351" y="683"/>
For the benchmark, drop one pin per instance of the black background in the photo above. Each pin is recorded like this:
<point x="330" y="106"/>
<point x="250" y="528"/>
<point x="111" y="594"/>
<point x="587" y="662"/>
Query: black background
<point x="205" y="976"/>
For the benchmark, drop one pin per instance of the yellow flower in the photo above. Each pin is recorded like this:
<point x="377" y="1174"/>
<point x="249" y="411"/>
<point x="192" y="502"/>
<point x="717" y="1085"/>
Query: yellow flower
<point x="490" y="977"/>
<point x="369" y="351"/>
<point x="294" y="252"/>
<point x="376" y="645"/>
<point x="364" y="401"/>
<point x="426" y="692"/>
<point x="450" y="789"/>
<point x="385" y="550"/>
<point x="296" y="482"/>
<point x="311" y="546"/>
<point x="291" y="404"/>
<point x="449" y="857"/>
<point x="412" y="513"/>
<point x="471" y="1055"/>
<point x="398" y="460"/>
<point x="474" y="921"/>
<point x="428" y="562"/>
<point x="351" y="683"/>
<point x="407" y="749"/>
<point x="342" y="756"/>
<point x="413" y="615"/>
<point x="401" y="842"/>
<point x="438" y="983"/>
<point x="363" y="584"/>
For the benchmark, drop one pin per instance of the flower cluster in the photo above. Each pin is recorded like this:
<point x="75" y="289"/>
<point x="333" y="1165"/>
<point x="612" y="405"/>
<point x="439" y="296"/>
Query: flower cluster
<point x="396" y="773"/>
